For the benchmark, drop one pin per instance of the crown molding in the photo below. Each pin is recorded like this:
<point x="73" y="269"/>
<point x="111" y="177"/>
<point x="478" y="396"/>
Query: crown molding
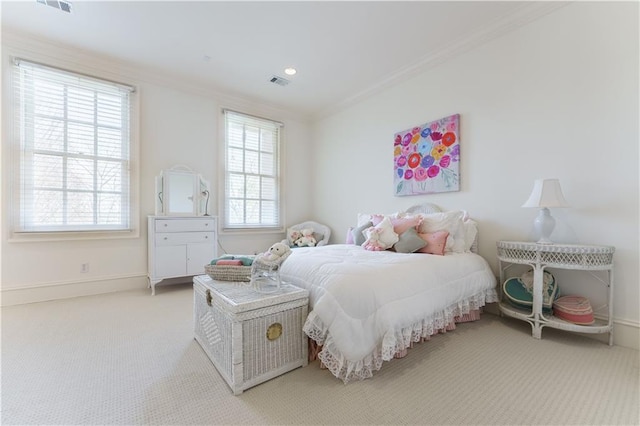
<point x="528" y="12"/>
<point x="37" y="49"/>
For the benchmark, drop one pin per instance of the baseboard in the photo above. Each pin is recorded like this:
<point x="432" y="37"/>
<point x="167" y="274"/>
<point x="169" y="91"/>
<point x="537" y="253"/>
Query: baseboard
<point x="625" y="333"/>
<point x="65" y="290"/>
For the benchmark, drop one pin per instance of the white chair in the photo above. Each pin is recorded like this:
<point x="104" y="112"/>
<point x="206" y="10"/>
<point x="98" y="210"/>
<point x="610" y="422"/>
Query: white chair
<point x="321" y="233"/>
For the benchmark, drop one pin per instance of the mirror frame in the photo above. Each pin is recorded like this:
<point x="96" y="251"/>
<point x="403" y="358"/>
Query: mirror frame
<point x="199" y="192"/>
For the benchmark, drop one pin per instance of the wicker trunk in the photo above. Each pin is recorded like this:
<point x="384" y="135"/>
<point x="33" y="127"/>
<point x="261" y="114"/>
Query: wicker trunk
<point x="250" y="337"/>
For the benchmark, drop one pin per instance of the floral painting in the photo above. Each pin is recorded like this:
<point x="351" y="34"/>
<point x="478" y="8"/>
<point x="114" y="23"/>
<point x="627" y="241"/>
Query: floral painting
<point x="426" y="159"/>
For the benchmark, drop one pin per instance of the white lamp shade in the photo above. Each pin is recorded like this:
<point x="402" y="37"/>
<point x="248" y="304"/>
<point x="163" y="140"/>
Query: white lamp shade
<point x="546" y="193"/>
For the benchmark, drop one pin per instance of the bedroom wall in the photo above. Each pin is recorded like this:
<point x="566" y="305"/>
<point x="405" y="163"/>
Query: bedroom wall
<point x="556" y="98"/>
<point x="179" y="124"/>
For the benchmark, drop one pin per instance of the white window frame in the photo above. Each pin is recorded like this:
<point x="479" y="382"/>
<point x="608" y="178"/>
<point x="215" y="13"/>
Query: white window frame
<point x="22" y="227"/>
<point x="225" y="190"/>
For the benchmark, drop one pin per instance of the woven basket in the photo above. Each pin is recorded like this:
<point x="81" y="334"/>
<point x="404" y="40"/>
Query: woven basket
<point x="228" y="272"/>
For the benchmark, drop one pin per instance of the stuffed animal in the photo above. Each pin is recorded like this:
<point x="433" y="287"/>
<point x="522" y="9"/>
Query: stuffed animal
<point x="307" y="239"/>
<point x="373" y="239"/>
<point x="294" y="236"/>
<point x="275" y="252"/>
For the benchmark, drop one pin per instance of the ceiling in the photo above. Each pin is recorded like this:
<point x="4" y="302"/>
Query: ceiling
<point x="343" y="51"/>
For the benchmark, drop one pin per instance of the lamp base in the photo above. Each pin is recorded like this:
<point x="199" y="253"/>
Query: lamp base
<point x="543" y="225"/>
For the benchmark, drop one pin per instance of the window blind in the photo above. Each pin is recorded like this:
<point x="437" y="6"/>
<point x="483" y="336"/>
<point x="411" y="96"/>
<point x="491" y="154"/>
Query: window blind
<point x="252" y="186"/>
<point x="73" y="133"/>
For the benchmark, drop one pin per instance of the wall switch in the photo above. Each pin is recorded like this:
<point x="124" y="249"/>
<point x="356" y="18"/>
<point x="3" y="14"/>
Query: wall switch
<point x="84" y="268"/>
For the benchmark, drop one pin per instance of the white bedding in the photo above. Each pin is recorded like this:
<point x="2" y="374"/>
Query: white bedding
<point x="367" y="305"/>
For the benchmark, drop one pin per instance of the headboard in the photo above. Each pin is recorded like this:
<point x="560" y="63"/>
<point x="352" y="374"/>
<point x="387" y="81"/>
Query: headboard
<point x="428" y="208"/>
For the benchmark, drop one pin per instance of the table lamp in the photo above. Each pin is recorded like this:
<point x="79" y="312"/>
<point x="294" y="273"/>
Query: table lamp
<point x="546" y="193"/>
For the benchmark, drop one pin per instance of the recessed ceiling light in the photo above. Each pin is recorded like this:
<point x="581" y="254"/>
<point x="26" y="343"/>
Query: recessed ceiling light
<point x="290" y="71"/>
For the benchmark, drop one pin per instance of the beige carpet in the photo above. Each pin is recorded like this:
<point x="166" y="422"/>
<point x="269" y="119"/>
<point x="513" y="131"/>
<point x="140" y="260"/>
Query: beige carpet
<point x="130" y="358"/>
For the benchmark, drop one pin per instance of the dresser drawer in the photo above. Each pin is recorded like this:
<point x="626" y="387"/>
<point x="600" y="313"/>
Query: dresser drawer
<point x="185" y="225"/>
<point x="177" y="238"/>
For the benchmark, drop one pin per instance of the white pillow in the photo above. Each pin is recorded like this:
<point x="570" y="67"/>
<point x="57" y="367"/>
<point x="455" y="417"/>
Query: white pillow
<point x="387" y="237"/>
<point x="375" y="218"/>
<point x="451" y="222"/>
<point x="470" y="233"/>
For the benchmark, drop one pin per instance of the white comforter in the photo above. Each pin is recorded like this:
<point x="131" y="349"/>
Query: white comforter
<point x="367" y="305"/>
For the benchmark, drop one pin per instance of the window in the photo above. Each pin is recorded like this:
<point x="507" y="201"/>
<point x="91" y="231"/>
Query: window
<point x="252" y="186"/>
<point x="74" y="168"/>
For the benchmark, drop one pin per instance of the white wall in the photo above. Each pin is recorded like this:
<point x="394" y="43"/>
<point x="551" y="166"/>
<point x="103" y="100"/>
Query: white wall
<point x="179" y="124"/>
<point x="556" y="98"/>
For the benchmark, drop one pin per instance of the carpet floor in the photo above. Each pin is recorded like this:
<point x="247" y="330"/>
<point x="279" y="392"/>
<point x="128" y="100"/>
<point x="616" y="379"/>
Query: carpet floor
<point x="130" y="358"/>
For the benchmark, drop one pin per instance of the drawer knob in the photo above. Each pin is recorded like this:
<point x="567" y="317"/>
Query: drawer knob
<point x="206" y="224"/>
<point x="166" y="224"/>
<point x="209" y="297"/>
<point x="206" y="236"/>
<point x="166" y="238"/>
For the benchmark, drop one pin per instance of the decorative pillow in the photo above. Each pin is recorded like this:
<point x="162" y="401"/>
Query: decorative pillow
<point x="452" y="222"/>
<point x="436" y="242"/>
<point x="349" y="239"/>
<point x="386" y="238"/>
<point x="375" y="219"/>
<point x="401" y="224"/>
<point x="470" y="233"/>
<point x="409" y="241"/>
<point x="358" y="236"/>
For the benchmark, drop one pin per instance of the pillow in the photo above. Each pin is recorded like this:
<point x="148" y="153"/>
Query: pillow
<point x="470" y="233"/>
<point x="349" y="239"/>
<point x="401" y="224"/>
<point x="375" y="219"/>
<point x="452" y="222"/>
<point x="358" y="236"/>
<point x="436" y="242"/>
<point x="386" y="237"/>
<point x="409" y="241"/>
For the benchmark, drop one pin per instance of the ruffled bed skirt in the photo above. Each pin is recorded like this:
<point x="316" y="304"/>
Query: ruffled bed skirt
<point x="394" y="345"/>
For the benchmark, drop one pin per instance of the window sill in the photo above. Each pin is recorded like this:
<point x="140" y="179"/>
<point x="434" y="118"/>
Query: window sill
<point x="27" y="237"/>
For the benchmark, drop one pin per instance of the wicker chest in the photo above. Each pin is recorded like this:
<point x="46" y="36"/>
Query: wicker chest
<point x="250" y="337"/>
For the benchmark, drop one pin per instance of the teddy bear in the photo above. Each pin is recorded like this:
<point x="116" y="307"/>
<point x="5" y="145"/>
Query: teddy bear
<point x="307" y="239"/>
<point x="373" y="239"/>
<point x="275" y="252"/>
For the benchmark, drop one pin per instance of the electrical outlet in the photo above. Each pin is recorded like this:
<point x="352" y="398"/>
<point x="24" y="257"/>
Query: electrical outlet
<point x="84" y="268"/>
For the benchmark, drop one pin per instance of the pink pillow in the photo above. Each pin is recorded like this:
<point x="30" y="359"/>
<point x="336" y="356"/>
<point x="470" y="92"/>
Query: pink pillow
<point x="436" y="242"/>
<point x="349" y="239"/>
<point x="376" y="219"/>
<point x="401" y="224"/>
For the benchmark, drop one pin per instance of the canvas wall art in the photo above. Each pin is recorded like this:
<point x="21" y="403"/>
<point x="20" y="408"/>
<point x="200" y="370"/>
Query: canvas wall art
<point x="426" y="159"/>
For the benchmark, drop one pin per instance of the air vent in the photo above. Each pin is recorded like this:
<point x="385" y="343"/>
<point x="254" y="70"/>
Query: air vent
<point x="279" y="80"/>
<point x="65" y="6"/>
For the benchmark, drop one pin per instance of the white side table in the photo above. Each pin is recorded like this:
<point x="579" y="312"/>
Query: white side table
<point x="589" y="258"/>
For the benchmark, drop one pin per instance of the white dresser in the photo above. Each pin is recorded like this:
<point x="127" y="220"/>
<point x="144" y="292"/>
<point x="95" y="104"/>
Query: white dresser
<point x="180" y="246"/>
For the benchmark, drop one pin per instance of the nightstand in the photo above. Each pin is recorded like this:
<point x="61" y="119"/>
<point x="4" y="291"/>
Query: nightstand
<point x="590" y="258"/>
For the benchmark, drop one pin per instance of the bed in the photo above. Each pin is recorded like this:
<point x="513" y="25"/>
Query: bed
<point x="369" y="306"/>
